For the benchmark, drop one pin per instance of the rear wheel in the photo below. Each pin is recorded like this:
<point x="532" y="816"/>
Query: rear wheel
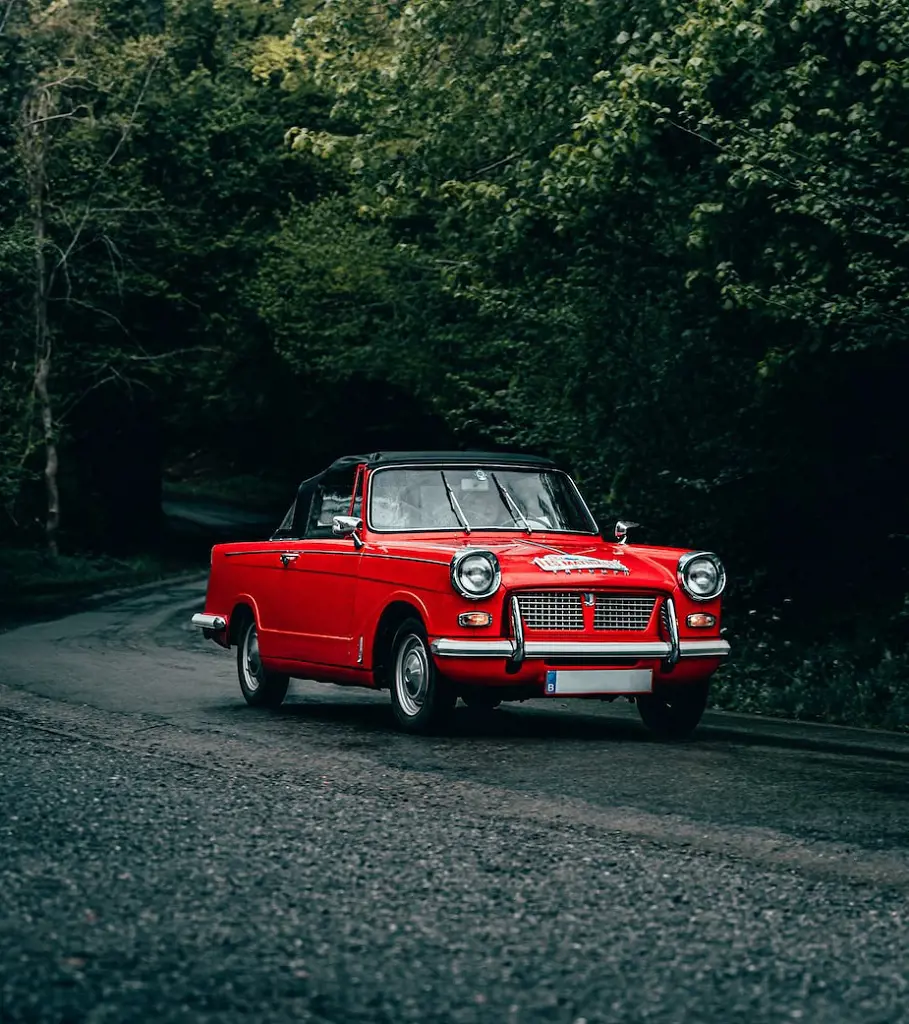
<point x="260" y="687"/>
<point x="673" y="712"/>
<point x="420" y="698"/>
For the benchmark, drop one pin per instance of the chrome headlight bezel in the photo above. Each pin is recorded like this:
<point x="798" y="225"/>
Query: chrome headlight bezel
<point x="684" y="567"/>
<point x="457" y="564"/>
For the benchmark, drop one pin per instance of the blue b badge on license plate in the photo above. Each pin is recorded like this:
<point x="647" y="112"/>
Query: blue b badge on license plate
<point x="550" y="682"/>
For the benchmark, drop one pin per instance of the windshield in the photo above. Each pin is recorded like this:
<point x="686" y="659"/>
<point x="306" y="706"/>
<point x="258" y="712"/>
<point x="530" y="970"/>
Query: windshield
<point x="475" y="498"/>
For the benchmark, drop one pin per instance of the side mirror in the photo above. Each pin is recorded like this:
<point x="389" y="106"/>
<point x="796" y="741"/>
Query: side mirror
<point x="621" y="530"/>
<point x="347" y="526"/>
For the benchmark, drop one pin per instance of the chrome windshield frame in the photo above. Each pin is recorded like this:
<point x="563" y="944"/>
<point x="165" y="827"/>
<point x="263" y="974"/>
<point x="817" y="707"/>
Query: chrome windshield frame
<point x="441" y="466"/>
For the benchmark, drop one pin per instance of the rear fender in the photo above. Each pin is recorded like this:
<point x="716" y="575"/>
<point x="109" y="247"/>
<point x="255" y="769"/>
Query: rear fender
<point x="250" y="601"/>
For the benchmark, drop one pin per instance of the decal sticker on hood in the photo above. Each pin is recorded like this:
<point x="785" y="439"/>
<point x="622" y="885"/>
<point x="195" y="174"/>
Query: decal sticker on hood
<point x="573" y="563"/>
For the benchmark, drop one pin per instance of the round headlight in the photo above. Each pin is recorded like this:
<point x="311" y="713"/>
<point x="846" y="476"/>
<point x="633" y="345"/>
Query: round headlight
<point x="701" y="575"/>
<point x="475" y="574"/>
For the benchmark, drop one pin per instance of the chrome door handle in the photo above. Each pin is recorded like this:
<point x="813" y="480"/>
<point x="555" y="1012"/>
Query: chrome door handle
<point x="289" y="556"/>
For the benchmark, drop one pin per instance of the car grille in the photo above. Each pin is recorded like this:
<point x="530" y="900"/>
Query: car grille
<point x="552" y="609"/>
<point x="630" y="614"/>
<point x="563" y="610"/>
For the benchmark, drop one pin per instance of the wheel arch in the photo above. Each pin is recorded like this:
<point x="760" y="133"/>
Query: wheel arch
<point x="400" y="609"/>
<point x="244" y="607"/>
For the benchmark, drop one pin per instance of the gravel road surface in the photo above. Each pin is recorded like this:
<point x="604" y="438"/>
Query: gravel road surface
<point x="169" y="854"/>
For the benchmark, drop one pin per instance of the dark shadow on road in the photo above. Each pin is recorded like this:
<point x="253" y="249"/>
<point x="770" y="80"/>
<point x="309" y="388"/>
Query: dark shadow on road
<point x="757" y="737"/>
<point x="373" y="718"/>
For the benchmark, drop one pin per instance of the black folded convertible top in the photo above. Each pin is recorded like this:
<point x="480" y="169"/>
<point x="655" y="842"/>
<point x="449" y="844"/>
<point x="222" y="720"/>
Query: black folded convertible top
<point x="452" y="458"/>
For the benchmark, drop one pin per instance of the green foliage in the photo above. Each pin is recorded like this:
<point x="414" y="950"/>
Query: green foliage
<point x="857" y="677"/>
<point x="634" y="205"/>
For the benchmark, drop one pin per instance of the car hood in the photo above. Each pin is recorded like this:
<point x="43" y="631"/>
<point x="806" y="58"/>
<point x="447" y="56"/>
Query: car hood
<point x="567" y="562"/>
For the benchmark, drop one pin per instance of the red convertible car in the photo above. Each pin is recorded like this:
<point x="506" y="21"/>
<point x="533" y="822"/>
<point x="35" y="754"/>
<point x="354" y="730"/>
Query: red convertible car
<point x="439" y="575"/>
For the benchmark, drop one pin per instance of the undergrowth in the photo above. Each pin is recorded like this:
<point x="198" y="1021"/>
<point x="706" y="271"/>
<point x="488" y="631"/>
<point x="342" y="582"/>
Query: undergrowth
<point x="858" y="679"/>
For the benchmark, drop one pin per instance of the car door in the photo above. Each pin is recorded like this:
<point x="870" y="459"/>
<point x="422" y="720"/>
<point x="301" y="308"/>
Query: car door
<point x="318" y="579"/>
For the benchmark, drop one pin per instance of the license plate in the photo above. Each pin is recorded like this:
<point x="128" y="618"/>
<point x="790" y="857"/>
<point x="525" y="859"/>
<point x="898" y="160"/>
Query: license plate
<point x="577" y="682"/>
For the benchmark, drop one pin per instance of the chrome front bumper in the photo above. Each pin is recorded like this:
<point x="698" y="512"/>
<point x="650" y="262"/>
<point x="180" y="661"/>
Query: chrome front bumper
<point x="578" y="649"/>
<point x="519" y="648"/>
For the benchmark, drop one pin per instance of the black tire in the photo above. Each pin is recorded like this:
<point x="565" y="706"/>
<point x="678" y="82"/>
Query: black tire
<point x="481" y="699"/>
<point x="260" y="688"/>
<point x="420" y="698"/>
<point x="672" y="712"/>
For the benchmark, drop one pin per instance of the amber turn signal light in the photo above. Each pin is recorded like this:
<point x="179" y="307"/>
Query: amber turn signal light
<point x="701" y="620"/>
<point x="475" y="619"/>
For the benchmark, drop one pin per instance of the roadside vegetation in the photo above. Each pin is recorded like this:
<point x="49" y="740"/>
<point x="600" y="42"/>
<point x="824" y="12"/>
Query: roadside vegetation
<point x="33" y="582"/>
<point x="667" y="244"/>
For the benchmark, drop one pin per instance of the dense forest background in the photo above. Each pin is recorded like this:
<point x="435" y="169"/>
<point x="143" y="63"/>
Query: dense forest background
<point x="666" y="243"/>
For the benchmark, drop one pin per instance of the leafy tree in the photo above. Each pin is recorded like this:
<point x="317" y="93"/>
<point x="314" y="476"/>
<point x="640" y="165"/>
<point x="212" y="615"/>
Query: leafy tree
<point x="81" y="91"/>
<point x="676" y="233"/>
<point x="151" y="157"/>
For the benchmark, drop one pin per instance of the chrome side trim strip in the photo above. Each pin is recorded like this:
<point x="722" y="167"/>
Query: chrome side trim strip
<point x="407" y="558"/>
<point x="448" y="648"/>
<point x="204" y="621"/>
<point x="316" y="551"/>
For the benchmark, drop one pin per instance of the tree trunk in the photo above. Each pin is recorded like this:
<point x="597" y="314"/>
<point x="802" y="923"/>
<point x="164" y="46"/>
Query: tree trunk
<point x="51" y="460"/>
<point x="36" y="113"/>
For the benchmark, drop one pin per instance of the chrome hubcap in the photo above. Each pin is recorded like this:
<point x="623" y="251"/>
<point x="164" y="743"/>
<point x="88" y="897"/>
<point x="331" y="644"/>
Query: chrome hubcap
<point x="412" y="675"/>
<point x="253" y="671"/>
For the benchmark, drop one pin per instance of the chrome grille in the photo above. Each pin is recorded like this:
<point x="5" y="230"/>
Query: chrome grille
<point x="630" y="614"/>
<point x="552" y="609"/>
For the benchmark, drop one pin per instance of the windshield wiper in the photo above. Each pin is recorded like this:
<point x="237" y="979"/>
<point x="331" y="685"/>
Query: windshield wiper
<point x="453" y="501"/>
<point x="516" y="514"/>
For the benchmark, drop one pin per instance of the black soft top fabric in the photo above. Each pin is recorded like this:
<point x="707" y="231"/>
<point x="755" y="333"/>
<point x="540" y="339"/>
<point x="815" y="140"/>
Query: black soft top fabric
<point x="307" y="489"/>
<point x="453" y="458"/>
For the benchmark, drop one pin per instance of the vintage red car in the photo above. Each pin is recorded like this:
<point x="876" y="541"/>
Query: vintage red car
<point x="439" y="575"/>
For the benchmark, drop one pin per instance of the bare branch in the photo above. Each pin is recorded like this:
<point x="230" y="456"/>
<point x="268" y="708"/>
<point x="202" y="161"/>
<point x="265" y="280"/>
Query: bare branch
<point x="124" y="135"/>
<point x="130" y="124"/>
<point x="70" y="114"/>
<point x="61" y="416"/>
<point x="116" y="265"/>
<point x="4" y="17"/>
<point x="518" y="153"/>
<point x="94" y="309"/>
<point x="47" y="87"/>
<point x="169" y="355"/>
<point x="115" y="209"/>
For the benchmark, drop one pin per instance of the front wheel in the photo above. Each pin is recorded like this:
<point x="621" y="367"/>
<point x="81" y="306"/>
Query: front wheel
<point x="260" y="688"/>
<point x="673" y="712"/>
<point x="420" y="698"/>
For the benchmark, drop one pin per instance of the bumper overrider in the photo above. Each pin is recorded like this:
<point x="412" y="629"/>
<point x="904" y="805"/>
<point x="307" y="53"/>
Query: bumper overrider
<point x="517" y="649"/>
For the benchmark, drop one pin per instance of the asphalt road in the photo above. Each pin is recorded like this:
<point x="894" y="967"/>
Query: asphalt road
<point x="168" y="854"/>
